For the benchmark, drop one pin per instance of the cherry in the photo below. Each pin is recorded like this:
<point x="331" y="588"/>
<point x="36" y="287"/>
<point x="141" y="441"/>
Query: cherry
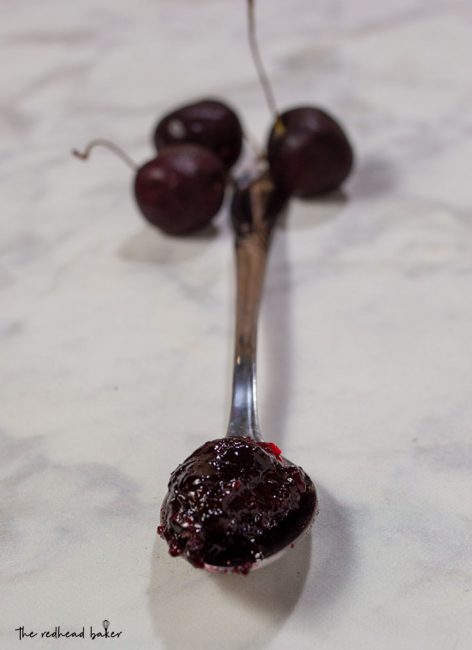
<point x="310" y="154"/>
<point x="209" y="123"/>
<point x="308" y="151"/>
<point x="179" y="190"/>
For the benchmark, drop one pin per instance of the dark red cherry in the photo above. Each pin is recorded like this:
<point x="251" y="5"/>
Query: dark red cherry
<point x="208" y="123"/>
<point x="181" y="189"/>
<point x="308" y="151"/>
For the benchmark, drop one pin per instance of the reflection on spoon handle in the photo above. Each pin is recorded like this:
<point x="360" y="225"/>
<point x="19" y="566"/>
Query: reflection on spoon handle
<point x="253" y="224"/>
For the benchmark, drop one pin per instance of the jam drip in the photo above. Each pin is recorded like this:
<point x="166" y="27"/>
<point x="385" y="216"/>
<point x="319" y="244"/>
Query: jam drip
<point x="233" y="501"/>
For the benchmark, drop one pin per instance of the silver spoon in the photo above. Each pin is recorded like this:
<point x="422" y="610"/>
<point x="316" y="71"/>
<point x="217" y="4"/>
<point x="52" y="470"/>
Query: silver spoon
<point x="255" y="210"/>
<point x="253" y="237"/>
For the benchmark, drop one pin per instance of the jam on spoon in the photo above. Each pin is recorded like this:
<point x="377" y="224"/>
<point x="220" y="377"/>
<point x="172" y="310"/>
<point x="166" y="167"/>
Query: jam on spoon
<point x="232" y="501"/>
<point x="236" y="502"/>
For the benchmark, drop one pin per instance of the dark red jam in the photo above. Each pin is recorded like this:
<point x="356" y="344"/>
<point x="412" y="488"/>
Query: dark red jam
<point x="234" y="502"/>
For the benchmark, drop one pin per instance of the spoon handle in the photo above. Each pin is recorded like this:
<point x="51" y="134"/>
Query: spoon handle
<point x="253" y="226"/>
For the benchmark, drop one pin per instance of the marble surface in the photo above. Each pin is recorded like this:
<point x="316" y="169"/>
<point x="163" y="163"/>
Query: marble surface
<point x="115" y="341"/>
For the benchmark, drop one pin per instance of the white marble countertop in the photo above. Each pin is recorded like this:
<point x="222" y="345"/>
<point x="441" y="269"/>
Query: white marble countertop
<point x="115" y="341"/>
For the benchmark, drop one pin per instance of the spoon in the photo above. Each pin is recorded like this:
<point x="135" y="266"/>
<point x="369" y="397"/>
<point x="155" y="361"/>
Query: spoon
<point x="255" y="210"/>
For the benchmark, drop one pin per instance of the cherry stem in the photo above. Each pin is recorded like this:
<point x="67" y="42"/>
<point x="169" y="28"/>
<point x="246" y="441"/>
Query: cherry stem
<point x="84" y="155"/>
<point x="256" y="55"/>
